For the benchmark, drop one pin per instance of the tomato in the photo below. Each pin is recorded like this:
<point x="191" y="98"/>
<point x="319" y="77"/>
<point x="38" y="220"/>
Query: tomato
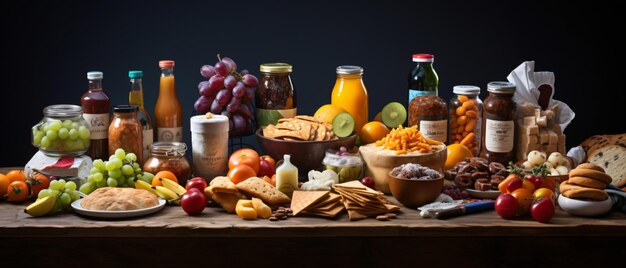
<point x="543" y="210"/>
<point x="38" y="183"/>
<point x="240" y="173"/>
<point x="17" y="191"/>
<point x="4" y="183"/>
<point x="265" y="168"/>
<point x="193" y="201"/>
<point x="269" y="159"/>
<point x="549" y="183"/>
<point x="503" y="184"/>
<point x="544" y="193"/>
<point x="245" y="156"/>
<point x="506" y="206"/>
<point x="514" y="184"/>
<point x="524" y="199"/>
<point x="16" y="175"/>
<point x="528" y="185"/>
<point x="197" y="183"/>
<point x="536" y="180"/>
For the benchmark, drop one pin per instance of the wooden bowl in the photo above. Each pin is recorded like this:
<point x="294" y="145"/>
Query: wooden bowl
<point x="415" y="193"/>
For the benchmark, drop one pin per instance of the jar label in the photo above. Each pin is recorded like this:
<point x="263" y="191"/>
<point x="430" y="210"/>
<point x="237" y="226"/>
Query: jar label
<point x="210" y="154"/>
<point x="434" y="130"/>
<point x="170" y="134"/>
<point x="98" y="125"/>
<point x="148" y="138"/>
<point x="418" y="93"/>
<point x="265" y="117"/>
<point x="499" y="135"/>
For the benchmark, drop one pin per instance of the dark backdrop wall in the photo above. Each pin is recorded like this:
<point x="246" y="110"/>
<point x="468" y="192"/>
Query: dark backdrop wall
<point x="50" y="45"/>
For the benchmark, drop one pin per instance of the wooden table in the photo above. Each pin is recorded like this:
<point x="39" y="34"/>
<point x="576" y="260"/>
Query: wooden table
<point x="171" y="238"/>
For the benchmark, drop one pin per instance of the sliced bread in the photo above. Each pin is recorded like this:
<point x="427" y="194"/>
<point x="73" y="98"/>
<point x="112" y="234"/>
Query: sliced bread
<point x="611" y="157"/>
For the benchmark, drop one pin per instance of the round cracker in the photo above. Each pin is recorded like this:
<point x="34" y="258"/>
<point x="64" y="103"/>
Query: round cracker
<point x="590" y="173"/>
<point x="586" y="193"/>
<point x="587" y="182"/>
<point x="590" y="166"/>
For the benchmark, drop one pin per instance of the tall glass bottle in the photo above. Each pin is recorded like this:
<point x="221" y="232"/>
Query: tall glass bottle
<point x="96" y="105"/>
<point x="135" y="97"/>
<point x="167" y="112"/>
<point x="423" y="79"/>
<point x="350" y="94"/>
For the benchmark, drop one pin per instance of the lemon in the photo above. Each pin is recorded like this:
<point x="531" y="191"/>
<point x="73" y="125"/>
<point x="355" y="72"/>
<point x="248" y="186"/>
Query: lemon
<point x="456" y="153"/>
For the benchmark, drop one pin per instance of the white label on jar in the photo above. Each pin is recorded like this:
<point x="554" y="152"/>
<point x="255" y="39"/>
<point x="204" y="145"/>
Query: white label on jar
<point x="148" y="138"/>
<point x="170" y="134"/>
<point x="499" y="136"/>
<point x="98" y="125"/>
<point x="210" y="154"/>
<point x="434" y="130"/>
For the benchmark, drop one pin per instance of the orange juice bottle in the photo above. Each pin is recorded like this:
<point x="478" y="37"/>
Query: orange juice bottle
<point x="167" y="111"/>
<point x="350" y="94"/>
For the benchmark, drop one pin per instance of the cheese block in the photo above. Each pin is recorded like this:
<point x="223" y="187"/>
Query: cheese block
<point x="77" y="169"/>
<point x="612" y="158"/>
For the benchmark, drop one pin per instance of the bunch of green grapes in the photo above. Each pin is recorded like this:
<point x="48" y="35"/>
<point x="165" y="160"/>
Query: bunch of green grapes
<point x="121" y="170"/>
<point x="65" y="192"/>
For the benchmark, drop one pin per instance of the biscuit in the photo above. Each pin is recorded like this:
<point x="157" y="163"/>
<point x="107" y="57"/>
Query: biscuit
<point x="590" y="166"/>
<point x="257" y="187"/>
<point x="228" y="201"/>
<point x="223" y="184"/>
<point x="590" y="173"/>
<point x="578" y="192"/>
<point x="587" y="182"/>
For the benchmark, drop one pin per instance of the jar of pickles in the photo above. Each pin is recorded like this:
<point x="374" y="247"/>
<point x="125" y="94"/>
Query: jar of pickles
<point x="62" y="131"/>
<point x="170" y="156"/>
<point x="465" y="118"/>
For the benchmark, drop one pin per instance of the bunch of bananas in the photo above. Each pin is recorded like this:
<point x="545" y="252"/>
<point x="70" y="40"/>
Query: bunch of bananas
<point x="170" y="191"/>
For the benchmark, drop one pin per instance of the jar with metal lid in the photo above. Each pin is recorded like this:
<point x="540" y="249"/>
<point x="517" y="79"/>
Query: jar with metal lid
<point x="499" y="130"/>
<point x="430" y="114"/>
<point x="62" y="131"/>
<point x="275" y="95"/>
<point x="170" y="156"/>
<point x="466" y="109"/>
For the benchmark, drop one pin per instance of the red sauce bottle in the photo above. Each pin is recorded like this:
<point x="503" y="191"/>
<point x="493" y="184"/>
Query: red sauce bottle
<point x="96" y="105"/>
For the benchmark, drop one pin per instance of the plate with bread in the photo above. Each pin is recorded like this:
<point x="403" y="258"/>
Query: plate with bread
<point x="111" y="202"/>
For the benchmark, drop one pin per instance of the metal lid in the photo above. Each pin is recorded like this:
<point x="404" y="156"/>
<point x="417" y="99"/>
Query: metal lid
<point x="349" y="69"/>
<point x="94" y="75"/>
<point x="277" y="67"/>
<point x="466" y="90"/>
<point x="168" y="148"/>
<point x="63" y="110"/>
<point x="124" y="108"/>
<point x="501" y="87"/>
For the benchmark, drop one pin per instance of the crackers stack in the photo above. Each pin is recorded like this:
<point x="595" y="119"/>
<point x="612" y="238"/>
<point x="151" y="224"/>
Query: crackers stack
<point x="227" y="194"/>
<point x="318" y="203"/>
<point x="300" y="128"/>
<point x="362" y="202"/>
<point x="587" y="181"/>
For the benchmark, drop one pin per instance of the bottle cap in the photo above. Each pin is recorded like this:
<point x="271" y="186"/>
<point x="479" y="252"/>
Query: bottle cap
<point x="349" y="69"/>
<point x="501" y="87"/>
<point x="466" y="90"/>
<point x="423" y="58"/>
<point x="277" y="67"/>
<point x="166" y="63"/>
<point x="94" y="75"/>
<point x="124" y="108"/>
<point x="135" y="74"/>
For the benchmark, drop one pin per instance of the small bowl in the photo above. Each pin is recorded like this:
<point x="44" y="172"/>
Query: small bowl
<point x="583" y="207"/>
<point x="305" y="155"/>
<point x="414" y="193"/>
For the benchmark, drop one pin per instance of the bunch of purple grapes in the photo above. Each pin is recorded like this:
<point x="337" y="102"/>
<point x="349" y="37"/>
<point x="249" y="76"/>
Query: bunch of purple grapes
<point x="456" y="193"/>
<point x="230" y="93"/>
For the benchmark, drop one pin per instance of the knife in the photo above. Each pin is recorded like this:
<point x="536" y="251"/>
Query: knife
<point x="465" y="209"/>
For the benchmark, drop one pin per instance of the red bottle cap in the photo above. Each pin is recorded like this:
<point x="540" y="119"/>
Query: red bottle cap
<point x="166" y="63"/>
<point x="423" y="58"/>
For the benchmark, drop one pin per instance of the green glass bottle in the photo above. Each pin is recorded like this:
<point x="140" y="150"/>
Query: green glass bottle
<point x="423" y="79"/>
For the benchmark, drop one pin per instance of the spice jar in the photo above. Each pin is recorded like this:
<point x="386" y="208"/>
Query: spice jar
<point x="126" y="132"/>
<point x="170" y="156"/>
<point x="465" y="117"/>
<point x="275" y="95"/>
<point x="430" y="114"/>
<point x="499" y="129"/>
<point x="62" y="131"/>
<point x="209" y="145"/>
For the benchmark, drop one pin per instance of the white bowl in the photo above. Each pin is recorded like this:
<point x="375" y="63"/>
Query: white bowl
<point x="585" y="208"/>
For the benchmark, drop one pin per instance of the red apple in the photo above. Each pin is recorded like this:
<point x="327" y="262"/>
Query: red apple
<point x="265" y="169"/>
<point x="197" y="182"/>
<point x="367" y="181"/>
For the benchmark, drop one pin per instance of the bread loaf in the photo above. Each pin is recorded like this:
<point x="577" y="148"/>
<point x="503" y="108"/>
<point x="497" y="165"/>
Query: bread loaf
<point x="119" y="199"/>
<point x="608" y="152"/>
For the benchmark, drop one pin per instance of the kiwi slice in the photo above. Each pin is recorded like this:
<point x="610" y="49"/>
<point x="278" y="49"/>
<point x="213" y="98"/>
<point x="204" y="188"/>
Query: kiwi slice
<point x="343" y="124"/>
<point x="393" y="114"/>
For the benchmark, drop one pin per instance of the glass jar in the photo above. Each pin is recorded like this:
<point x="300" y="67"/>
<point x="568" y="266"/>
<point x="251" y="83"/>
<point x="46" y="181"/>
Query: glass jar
<point x="430" y="114"/>
<point x="275" y="95"/>
<point x="62" y="131"/>
<point x="348" y="166"/>
<point x="170" y="156"/>
<point x="350" y="94"/>
<point x="499" y="130"/>
<point x="465" y="117"/>
<point x="126" y="132"/>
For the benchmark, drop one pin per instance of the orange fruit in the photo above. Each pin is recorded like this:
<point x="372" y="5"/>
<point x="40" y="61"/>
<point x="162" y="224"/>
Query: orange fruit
<point x="16" y="175"/>
<point x="373" y="131"/>
<point x="524" y="199"/>
<point x="163" y="174"/>
<point x="4" y="183"/>
<point x="240" y="173"/>
<point x="456" y="153"/>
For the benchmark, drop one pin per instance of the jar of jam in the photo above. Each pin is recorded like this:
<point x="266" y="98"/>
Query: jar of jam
<point x="170" y="156"/>
<point x="465" y="117"/>
<point x="126" y="131"/>
<point x="62" y="131"/>
<point x="275" y="95"/>
<point x="430" y="114"/>
<point x="499" y="129"/>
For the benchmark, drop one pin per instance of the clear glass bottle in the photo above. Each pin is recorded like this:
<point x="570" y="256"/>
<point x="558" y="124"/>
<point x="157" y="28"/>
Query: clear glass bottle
<point x="499" y="130"/>
<point x="466" y="109"/>
<point x="62" y="131"/>
<point x="96" y="105"/>
<point x="168" y="112"/>
<point x="423" y="80"/>
<point x="287" y="176"/>
<point x="135" y="97"/>
<point x="125" y="131"/>
<point x="170" y="156"/>
<point x="275" y="96"/>
<point x="350" y="94"/>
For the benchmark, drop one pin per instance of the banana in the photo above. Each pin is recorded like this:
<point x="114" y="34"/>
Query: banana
<point x="42" y="206"/>
<point x="174" y="186"/>
<point x="165" y="193"/>
<point x="139" y="184"/>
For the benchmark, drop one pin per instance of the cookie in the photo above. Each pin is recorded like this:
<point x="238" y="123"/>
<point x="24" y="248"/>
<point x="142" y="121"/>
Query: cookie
<point x="587" y="182"/>
<point x="590" y="173"/>
<point x="590" y="166"/>
<point x="257" y="187"/>
<point x="579" y="192"/>
<point x="223" y="184"/>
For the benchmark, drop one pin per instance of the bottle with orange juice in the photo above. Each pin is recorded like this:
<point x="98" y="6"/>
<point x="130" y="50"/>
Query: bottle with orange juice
<point x="350" y="94"/>
<point x="168" y="112"/>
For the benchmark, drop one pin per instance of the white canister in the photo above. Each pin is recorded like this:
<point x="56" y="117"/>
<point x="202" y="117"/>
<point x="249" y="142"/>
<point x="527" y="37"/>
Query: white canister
<point x="209" y="145"/>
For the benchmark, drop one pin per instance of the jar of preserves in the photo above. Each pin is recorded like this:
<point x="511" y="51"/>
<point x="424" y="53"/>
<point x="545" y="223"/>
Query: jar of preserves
<point x="62" y="131"/>
<point x="170" y="156"/>
<point x="499" y="129"/>
<point x="430" y="114"/>
<point x="465" y="117"/>
<point x="126" y="131"/>
<point x="275" y="95"/>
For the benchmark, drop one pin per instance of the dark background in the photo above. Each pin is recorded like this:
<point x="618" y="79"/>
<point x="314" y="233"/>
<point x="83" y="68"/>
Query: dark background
<point x="49" y="46"/>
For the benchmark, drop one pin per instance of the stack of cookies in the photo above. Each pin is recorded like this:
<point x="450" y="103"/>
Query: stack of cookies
<point x="300" y="128"/>
<point x="587" y="181"/>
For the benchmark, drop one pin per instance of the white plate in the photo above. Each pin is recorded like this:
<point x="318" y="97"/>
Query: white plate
<point x="117" y="214"/>
<point x="491" y="194"/>
<point x="583" y="207"/>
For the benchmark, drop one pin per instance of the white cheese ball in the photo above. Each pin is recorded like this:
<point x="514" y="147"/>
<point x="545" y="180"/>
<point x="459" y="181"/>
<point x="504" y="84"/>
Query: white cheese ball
<point x="556" y="159"/>
<point x="536" y="157"/>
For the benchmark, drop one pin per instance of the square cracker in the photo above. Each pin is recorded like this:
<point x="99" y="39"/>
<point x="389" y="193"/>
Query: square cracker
<point x="301" y="200"/>
<point x="223" y="184"/>
<point x="331" y="213"/>
<point x="257" y="187"/>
